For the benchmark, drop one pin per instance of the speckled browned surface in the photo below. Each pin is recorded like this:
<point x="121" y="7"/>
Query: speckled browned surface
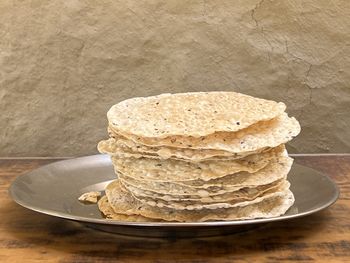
<point x="64" y="63"/>
<point x="26" y="236"/>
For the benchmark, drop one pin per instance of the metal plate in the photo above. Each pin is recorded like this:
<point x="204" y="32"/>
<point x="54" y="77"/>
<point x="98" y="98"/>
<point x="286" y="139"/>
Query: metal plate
<point x="54" y="190"/>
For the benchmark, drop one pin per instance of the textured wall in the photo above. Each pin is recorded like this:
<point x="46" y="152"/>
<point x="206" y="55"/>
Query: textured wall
<point x="64" y="63"/>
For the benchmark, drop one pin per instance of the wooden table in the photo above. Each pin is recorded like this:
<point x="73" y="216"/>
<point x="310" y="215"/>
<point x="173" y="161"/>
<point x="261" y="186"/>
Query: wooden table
<point x="27" y="236"/>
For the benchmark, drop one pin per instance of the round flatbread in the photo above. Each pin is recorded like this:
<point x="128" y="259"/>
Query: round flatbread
<point x="272" y="205"/>
<point x="170" y="170"/>
<point x="190" y="114"/>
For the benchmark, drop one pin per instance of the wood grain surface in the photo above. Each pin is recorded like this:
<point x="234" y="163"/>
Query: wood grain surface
<point x="27" y="236"/>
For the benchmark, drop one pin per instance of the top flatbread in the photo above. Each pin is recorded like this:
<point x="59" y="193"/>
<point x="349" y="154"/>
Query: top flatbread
<point x="190" y="114"/>
<point x="252" y="139"/>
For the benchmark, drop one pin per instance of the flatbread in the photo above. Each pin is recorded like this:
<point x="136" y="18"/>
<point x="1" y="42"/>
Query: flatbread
<point x="147" y="169"/>
<point x="190" y="114"/>
<point x="271" y="173"/>
<point x="267" y="134"/>
<point x="194" y="205"/>
<point x="272" y="205"/>
<point x="108" y="212"/>
<point x="114" y="148"/>
<point x="199" y="201"/>
<point x="199" y="156"/>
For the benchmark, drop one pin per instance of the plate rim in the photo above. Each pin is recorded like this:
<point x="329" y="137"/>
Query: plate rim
<point x="164" y="224"/>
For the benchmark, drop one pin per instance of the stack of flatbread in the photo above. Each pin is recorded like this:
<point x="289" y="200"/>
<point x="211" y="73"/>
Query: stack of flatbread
<point x="197" y="157"/>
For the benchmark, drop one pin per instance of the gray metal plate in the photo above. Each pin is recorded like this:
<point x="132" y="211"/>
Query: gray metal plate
<point x="54" y="190"/>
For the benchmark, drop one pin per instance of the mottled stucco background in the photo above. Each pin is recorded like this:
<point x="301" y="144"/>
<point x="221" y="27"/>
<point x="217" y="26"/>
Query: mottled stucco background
<point x="64" y="63"/>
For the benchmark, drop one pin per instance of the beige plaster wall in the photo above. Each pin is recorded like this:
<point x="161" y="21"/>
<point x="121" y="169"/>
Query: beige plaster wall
<point x="64" y="63"/>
